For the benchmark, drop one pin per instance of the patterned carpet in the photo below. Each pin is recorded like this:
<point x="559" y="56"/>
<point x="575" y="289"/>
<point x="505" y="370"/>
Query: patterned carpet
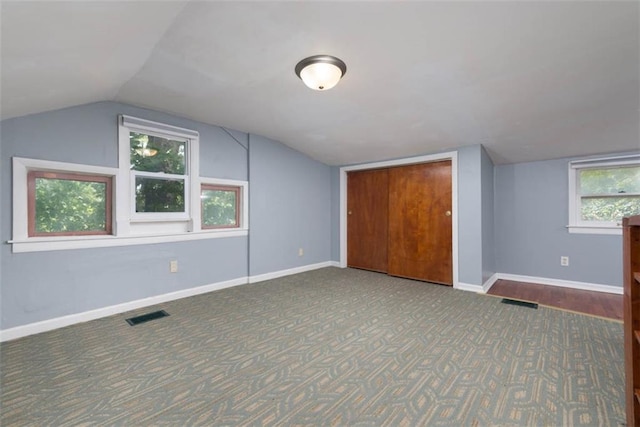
<point x="330" y="347"/>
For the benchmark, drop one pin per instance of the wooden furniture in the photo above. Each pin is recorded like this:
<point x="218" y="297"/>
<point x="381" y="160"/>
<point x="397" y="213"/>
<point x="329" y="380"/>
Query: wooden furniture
<point x="399" y="221"/>
<point x="631" y="251"/>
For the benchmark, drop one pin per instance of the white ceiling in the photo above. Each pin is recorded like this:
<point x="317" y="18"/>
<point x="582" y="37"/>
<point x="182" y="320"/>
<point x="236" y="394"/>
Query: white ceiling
<point x="529" y="80"/>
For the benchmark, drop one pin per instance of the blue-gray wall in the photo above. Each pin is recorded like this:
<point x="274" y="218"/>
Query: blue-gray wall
<point x="290" y="208"/>
<point x="469" y="215"/>
<point x="531" y="215"/>
<point x="39" y="286"/>
<point x="3" y="180"/>
<point x="488" y="231"/>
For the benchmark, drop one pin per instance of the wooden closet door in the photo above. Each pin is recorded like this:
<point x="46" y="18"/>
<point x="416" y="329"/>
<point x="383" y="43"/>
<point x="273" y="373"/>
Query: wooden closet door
<point x="420" y="244"/>
<point x="367" y="219"/>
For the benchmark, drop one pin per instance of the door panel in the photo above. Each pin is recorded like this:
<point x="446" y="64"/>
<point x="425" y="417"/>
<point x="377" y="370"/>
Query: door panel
<point x="420" y="243"/>
<point x="367" y="219"/>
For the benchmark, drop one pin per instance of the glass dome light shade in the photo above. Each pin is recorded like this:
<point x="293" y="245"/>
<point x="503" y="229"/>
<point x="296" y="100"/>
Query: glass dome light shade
<point x="321" y="72"/>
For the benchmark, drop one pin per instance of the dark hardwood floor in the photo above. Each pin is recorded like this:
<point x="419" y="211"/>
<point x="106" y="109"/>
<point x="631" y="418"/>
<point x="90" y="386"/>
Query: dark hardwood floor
<point x="588" y="302"/>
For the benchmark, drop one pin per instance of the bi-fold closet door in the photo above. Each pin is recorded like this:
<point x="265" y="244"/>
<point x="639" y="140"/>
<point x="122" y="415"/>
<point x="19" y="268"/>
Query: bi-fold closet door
<point x="399" y="221"/>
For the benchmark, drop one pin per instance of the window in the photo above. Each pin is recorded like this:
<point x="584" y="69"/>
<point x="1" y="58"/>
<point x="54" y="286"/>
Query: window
<point x="220" y="206"/>
<point x="55" y="203"/>
<point x="608" y="195"/>
<point x="602" y="193"/>
<point x="224" y="204"/>
<point x="155" y="195"/>
<point x="158" y="173"/>
<point x="65" y="204"/>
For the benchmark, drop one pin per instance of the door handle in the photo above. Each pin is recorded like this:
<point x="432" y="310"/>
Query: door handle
<point x="448" y="213"/>
<point x="349" y="212"/>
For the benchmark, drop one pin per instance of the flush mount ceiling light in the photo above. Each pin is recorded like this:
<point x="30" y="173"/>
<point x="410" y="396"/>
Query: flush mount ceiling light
<point x="145" y="151"/>
<point x="321" y="72"/>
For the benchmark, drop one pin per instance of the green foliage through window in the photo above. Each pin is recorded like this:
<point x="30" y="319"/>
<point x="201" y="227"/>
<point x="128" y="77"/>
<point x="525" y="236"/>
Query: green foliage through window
<point x="609" y="194"/>
<point x="219" y="206"/>
<point x="69" y="206"/>
<point x="157" y="156"/>
<point x="610" y="181"/>
<point x="159" y="195"/>
<point x="609" y="209"/>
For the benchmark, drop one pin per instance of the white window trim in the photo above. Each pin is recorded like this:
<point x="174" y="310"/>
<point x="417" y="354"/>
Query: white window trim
<point x="21" y="242"/>
<point x="40" y="244"/>
<point x="126" y="230"/>
<point x="21" y="168"/>
<point x="244" y="202"/>
<point x="576" y="225"/>
<point x="128" y="222"/>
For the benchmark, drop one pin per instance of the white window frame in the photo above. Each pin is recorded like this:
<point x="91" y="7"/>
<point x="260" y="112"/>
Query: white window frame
<point x="576" y="224"/>
<point x="127" y="219"/>
<point x="21" y="169"/>
<point x="244" y="202"/>
<point x="126" y="229"/>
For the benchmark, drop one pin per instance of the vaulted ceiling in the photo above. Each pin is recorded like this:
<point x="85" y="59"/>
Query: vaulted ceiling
<point x="529" y="80"/>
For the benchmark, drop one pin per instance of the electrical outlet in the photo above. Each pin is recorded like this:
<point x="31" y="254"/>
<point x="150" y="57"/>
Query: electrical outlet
<point x="173" y="266"/>
<point x="300" y="252"/>
<point x="564" y="261"/>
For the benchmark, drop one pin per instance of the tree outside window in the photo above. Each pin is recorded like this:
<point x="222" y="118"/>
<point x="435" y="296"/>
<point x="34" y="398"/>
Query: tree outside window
<point x="159" y="166"/>
<point x="68" y="204"/>
<point x="609" y="194"/>
<point x="220" y="206"/>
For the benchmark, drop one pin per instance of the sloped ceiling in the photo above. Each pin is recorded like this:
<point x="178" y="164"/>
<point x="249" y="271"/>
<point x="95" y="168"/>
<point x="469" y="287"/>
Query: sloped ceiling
<point x="529" y="80"/>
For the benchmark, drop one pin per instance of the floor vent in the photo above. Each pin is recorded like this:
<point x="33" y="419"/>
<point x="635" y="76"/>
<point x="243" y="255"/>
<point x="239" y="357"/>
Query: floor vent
<point x="520" y="303"/>
<point x="147" y="317"/>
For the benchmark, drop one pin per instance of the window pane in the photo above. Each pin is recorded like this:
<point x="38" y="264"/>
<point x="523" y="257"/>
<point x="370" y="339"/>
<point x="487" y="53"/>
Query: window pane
<point x="610" y="209"/>
<point x="219" y="207"/>
<point x="155" y="154"/>
<point x="159" y="195"/>
<point x="610" y="181"/>
<point x="68" y="206"/>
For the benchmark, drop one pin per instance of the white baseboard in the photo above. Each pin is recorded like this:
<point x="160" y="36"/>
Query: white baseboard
<point x="489" y="283"/>
<point x="561" y="283"/>
<point x="484" y="288"/>
<point x="480" y="289"/>
<point x="468" y="287"/>
<point x="290" y="271"/>
<point x="60" y="322"/>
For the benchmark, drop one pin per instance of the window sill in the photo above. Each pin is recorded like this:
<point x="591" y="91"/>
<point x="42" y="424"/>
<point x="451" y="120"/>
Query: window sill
<point x="39" y="244"/>
<point x="592" y="229"/>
